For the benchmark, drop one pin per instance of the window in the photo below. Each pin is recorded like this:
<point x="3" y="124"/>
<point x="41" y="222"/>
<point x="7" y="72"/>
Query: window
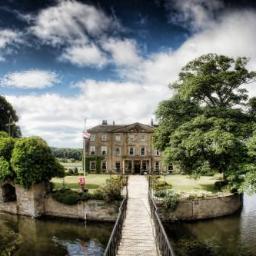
<point x="92" y="138"/>
<point x="131" y="151"/>
<point x="143" y="137"/>
<point x="104" y="137"/>
<point x="118" y="137"/>
<point x="118" y="166"/>
<point x="92" y="150"/>
<point x="117" y="151"/>
<point x="92" y="165"/>
<point x="170" y="167"/>
<point x="103" y="150"/>
<point x="142" y="151"/>
<point x="157" y="166"/>
<point x="157" y="152"/>
<point x="104" y="165"/>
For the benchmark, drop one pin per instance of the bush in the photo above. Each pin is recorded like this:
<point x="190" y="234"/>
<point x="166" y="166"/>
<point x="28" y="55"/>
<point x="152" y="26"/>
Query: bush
<point x="3" y="134"/>
<point x="33" y="162"/>
<point x="6" y="147"/>
<point x="170" y="200"/>
<point x="160" y="193"/>
<point x="112" y="189"/>
<point x="5" y="170"/>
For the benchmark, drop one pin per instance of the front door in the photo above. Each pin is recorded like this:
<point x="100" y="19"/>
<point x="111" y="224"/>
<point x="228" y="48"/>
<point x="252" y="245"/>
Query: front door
<point x="137" y="167"/>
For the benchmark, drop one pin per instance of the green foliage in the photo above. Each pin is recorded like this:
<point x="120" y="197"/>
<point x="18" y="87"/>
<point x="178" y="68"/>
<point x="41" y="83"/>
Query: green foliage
<point x="112" y="189"/>
<point x="8" y="114"/>
<point x="170" y="200"/>
<point x="3" y="134"/>
<point x="203" y="128"/>
<point x="6" y="147"/>
<point x="33" y="162"/>
<point x="5" y="170"/>
<point x="98" y="160"/>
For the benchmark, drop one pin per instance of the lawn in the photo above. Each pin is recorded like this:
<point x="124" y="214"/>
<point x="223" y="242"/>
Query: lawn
<point x="92" y="181"/>
<point x="184" y="183"/>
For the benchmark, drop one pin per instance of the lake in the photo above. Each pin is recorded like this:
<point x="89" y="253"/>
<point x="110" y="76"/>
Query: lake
<point x="229" y="236"/>
<point x="23" y="236"/>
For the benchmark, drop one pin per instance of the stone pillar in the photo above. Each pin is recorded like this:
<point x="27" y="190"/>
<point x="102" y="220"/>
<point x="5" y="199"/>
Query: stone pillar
<point x="123" y="166"/>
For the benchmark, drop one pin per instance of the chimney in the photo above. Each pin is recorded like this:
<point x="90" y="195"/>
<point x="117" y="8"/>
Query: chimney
<point x="114" y="123"/>
<point x="104" y="122"/>
<point x="152" y="122"/>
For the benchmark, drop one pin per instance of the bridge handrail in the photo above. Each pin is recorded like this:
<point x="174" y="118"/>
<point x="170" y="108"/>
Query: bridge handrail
<point x="115" y="237"/>
<point x="163" y="242"/>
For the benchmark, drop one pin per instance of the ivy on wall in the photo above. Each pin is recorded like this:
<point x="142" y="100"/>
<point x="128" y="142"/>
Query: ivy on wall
<point x="97" y="159"/>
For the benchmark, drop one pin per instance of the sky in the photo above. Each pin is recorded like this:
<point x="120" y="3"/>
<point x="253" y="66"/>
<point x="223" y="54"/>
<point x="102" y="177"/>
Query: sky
<point x="62" y="61"/>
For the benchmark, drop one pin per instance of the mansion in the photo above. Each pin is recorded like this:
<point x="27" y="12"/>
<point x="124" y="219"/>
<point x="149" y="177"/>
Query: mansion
<point x="124" y="149"/>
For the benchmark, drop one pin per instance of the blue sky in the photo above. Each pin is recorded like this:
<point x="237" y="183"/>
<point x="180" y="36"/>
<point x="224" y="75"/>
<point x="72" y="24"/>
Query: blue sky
<point x="64" y="60"/>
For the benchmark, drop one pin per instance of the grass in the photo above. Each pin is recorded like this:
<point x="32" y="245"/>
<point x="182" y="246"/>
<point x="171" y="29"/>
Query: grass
<point x="92" y="181"/>
<point x="184" y="183"/>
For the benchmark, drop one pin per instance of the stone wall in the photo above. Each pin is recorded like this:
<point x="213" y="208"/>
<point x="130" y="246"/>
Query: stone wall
<point x="35" y="203"/>
<point x="203" y="208"/>
<point x="90" y="210"/>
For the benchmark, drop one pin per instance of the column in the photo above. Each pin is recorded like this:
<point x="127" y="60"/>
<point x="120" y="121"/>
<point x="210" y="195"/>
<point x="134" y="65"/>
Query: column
<point x="123" y="166"/>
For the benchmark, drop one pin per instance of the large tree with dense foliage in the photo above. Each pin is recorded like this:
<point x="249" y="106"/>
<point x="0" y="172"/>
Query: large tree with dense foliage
<point x="32" y="162"/>
<point x="8" y="116"/>
<point x="205" y="125"/>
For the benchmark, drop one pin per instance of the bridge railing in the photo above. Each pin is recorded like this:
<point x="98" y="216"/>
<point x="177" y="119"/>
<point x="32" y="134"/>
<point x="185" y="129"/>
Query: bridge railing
<point x="162" y="240"/>
<point x="115" y="237"/>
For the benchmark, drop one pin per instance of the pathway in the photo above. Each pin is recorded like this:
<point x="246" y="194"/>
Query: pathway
<point x="137" y="234"/>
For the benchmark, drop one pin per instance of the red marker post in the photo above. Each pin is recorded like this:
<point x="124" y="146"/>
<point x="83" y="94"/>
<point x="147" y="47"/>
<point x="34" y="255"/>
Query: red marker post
<point x="82" y="183"/>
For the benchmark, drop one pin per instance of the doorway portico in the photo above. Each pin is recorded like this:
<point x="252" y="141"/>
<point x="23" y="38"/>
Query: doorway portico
<point x="136" y="166"/>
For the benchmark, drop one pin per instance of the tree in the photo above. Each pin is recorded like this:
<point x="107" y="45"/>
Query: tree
<point x="6" y="147"/>
<point x="8" y="115"/>
<point x="33" y="162"/>
<point x="212" y="138"/>
<point x="5" y="170"/>
<point x="215" y="80"/>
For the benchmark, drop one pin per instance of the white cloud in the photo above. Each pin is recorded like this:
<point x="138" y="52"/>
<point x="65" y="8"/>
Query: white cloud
<point x="84" y="55"/>
<point x="30" y="79"/>
<point x="70" y="22"/>
<point x="60" y="119"/>
<point x="195" y="14"/>
<point x="124" y="52"/>
<point x="8" y="37"/>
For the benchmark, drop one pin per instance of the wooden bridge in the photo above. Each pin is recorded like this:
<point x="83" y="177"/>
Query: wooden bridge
<point x="138" y="230"/>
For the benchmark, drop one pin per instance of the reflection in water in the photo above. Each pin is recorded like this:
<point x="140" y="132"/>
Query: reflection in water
<point x="230" y="236"/>
<point x="22" y="236"/>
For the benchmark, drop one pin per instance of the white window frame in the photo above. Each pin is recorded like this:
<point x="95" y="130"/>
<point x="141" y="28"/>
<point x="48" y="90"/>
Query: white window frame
<point x="157" y="152"/>
<point x="92" y="150"/>
<point x="131" y="137"/>
<point x="133" y="154"/>
<point x="116" y="167"/>
<point x="92" y="162"/>
<point x="144" y="151"/>
<point x="143" y="137"/>
<point x="104" y="137"/>
<point x="105" y="164"/>
<point x="117" y="154"/>
<point x="104" y="149"/>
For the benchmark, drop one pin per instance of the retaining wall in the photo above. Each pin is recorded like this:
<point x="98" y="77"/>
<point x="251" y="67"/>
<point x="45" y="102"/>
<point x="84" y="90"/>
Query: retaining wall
<point x="205" y="208"/>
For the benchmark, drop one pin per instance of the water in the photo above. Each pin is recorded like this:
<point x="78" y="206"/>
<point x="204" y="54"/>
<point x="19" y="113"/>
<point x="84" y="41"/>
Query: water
<point x="23" y="236"/>
<point x="229" y="236"/>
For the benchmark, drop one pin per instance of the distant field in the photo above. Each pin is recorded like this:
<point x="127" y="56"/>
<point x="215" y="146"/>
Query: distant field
<point x="92" y="181"/>
<point x="77" y="165"/>
<point x="184" y="183"/>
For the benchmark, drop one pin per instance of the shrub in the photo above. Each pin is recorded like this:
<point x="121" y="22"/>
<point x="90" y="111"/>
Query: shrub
<point x="160" y="193"/>
<point x="33" y="162"/>
<point x="6" y="147"/>
<point x="170" y="200"/>
<point x="3" y="134"/>
<point x="5" y="170"/>
<point x="112" y="189"/>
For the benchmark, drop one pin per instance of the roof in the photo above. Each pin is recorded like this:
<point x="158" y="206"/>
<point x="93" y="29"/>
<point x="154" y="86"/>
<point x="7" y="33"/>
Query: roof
<point x="135" y="127"/>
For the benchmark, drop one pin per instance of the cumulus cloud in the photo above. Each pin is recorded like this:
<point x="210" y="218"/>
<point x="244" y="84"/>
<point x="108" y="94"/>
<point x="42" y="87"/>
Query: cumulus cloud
<point x="83" y="31"/>
<point x="30" y="79"/>
<point x="195" y="14"/>
<point x="84" y="55"/>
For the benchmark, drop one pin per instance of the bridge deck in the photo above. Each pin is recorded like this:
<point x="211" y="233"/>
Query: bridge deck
<point x="138" y="230"/>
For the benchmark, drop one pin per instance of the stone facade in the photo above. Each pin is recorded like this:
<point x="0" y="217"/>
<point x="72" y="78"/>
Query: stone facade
<point x="205" y="208"/>
<point x="124" y="149"/>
